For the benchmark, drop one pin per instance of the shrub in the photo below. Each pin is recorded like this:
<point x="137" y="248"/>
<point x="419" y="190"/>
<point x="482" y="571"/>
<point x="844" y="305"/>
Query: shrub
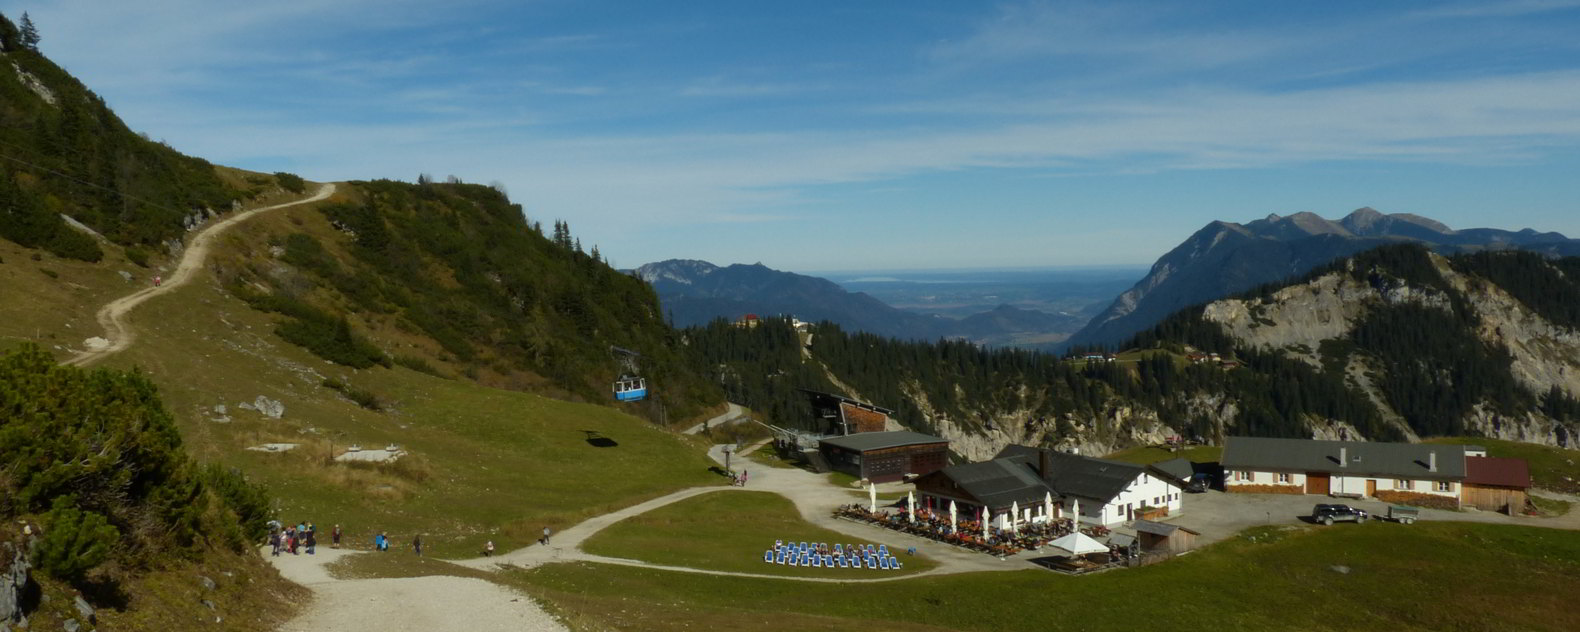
<point x="290" y="182"/>
<point x="249" y="501"/>
<point x="418" y="364"/>
<point x="137" y="255"/>
<point x="1265" y="489"/>
<point x="75" y="541"/>
<point x="1418" y="499"/>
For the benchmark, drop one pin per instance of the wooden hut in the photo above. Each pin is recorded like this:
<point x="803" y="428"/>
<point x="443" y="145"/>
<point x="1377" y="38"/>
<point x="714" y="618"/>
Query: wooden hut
<point x="1159" y="537"/>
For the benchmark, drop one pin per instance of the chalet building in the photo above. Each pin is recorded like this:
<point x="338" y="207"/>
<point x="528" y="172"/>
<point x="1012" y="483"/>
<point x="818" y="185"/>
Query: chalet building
<point x="1107" y="492"/>
<point x="999" y="486"/>
<point x="883" y="457"/>
<point x="842" y="415"/>
<point x="1394" y="472"/>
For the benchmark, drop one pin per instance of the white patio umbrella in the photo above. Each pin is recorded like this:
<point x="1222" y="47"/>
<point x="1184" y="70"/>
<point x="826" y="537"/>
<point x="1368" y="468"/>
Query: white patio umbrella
<point x="1047" y="507"/>
<point x="1075" y="513"/>
<point x="872" y="497"/>
<point x="954" y="524"/>
<point x="1014" y="515"/>
<point x="910" y="502"/>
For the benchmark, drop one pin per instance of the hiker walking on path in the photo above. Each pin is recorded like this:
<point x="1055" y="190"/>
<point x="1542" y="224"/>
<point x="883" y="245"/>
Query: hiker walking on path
<point x="334" y="537"/>
<point x="416" y="544"/>
<point x="546" y="533"/>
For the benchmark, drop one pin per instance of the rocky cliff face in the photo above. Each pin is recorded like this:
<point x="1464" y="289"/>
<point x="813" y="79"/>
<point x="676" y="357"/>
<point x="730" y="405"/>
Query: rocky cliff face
<point x="1300" y="319"/>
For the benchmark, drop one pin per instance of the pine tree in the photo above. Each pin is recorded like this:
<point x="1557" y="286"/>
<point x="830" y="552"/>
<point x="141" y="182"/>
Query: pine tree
<point x="10" y="37"/>
<point x="29" y="33"/>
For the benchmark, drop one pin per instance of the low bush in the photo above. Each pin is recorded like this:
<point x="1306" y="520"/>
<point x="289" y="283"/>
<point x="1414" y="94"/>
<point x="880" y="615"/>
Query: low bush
<point x="137" y="255"/>
<point x="1418" y="499"/>
<point x="75" y="540"/>
<point x="290" y="182"/>
<point x="1265" y="489"/>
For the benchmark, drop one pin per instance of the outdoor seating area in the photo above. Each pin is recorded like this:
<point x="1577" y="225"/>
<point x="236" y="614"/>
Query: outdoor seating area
<point x="967" y="533"/>
<point x="822" y="555"/>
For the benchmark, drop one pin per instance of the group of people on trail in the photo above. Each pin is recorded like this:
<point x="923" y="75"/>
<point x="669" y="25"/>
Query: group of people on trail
<point x="740" y="481"/>
<point x="292" y="539"/>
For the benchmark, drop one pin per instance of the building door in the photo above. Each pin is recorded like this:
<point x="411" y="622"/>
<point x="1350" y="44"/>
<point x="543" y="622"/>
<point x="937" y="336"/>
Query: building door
<point x="1371" y="488"/>
<point x="1318" y="483"/>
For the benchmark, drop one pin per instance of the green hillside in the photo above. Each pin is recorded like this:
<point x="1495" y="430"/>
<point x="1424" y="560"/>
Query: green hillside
<point x="62" y="150"/>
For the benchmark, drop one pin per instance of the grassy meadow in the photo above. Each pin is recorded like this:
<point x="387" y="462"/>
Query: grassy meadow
<point x="1427" y="576"/>
<point x="1150" y="455"/>
<point x="728" y="531"/>
<point x="484" y="463"/>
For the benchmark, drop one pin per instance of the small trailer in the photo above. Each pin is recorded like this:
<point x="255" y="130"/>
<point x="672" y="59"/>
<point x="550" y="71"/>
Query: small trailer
<point x="1403" y="515"/>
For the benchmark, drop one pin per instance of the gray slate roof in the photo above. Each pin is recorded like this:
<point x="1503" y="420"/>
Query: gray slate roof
<point x="1159" y="528"/>
<point x="1180" y="469"/>
<point x="863" y="441"/>
<point x="1390" y="460"/>
<point x="999" y="483"/>
<point x="1075" y="475"/>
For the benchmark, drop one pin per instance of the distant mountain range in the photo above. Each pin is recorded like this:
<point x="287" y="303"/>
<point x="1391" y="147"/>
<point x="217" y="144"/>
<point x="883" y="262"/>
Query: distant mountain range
<point x="1226" y="258"/>
<point x="697" y="292"/>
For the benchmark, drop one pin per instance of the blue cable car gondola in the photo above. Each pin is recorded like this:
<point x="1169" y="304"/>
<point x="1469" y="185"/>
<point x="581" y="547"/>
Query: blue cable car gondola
<point x="630" y="389"/>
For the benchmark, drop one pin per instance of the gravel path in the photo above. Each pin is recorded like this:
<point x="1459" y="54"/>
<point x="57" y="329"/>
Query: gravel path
<point x="813" y="497"/>
<point x="112" y="317"/>
<point x="415" y="604"/>
<point x="732" y="413"/>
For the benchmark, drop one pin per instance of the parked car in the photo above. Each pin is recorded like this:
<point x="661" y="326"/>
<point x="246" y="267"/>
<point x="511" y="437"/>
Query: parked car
<point x="1329" y="514"/>
<point x="1200" y="482"/>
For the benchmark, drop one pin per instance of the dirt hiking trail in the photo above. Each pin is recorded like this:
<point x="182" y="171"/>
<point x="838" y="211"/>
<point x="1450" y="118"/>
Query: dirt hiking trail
<point x="112" y="317"/>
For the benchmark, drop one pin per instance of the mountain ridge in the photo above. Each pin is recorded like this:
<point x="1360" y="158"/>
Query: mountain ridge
<point x="1224" y="258"/>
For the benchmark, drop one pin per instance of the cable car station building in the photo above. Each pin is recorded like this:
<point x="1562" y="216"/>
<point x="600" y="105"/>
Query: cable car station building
<point x="885" y="457"/>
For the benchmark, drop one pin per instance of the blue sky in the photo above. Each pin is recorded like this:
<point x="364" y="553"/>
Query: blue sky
<point x="872" y="135"/>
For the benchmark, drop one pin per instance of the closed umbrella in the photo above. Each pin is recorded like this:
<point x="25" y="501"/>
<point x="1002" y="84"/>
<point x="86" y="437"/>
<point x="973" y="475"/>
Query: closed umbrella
<point x="1014" y="516"/>
<point x="986" y="514"/>
<point x="910" y="503"/>
<point x="872" y="497"/>
<point x="1047" y="508"/>
<point x="1075" y="513"/>
<point x="954" y="525"/>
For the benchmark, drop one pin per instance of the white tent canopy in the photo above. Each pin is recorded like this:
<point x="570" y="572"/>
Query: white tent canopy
<point x="1079" y="544"/>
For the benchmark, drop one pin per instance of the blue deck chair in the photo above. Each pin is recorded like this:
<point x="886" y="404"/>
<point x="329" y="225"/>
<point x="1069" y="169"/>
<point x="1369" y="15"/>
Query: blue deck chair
<point x="883" y="563"/>
<point x="844" y="562"/>
<point x="779" y="558"/>
<point x="872" y="562"/>
<point x="768" y="557"/>
<point x="828" y="560"/>
<point x="895" y="563"/>
<point x="883" y="549"/>
<point x="817" y="561"/>
<point x="839" y="550"/>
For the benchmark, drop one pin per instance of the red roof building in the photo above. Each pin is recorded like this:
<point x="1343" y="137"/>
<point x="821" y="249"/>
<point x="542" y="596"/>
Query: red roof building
<point x="1495" y="484"/>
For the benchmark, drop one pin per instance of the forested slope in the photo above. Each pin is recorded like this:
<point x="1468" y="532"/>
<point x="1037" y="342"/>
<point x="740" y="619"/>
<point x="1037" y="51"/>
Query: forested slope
<point x="63" y="151"/>
<point x="1413" y="345"/>
<point x="453" y="280"/>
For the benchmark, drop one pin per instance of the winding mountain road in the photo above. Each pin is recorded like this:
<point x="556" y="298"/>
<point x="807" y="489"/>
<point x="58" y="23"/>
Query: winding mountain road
<point x="112" y="317"/>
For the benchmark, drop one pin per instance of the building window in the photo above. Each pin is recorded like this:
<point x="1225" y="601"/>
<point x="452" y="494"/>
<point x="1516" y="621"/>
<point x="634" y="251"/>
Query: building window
<point x="1283" y="478"/>
<point x="1243" y="476"/>
<point x="1403" y="484"/>
<point x="1445" y="486"/>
